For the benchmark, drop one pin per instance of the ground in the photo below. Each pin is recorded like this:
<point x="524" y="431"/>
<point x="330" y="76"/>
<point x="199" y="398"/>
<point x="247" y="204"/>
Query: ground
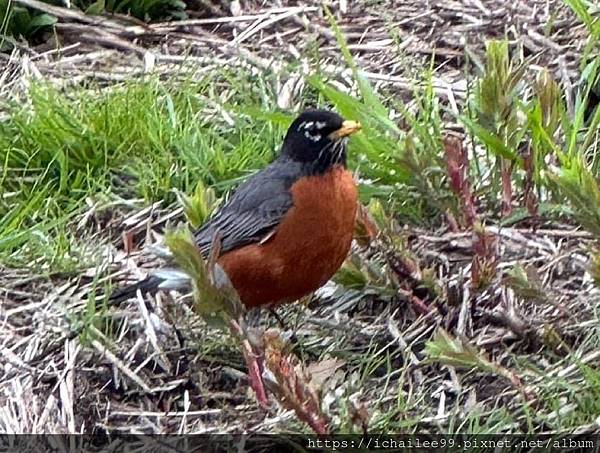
<point x="433" y="325"/>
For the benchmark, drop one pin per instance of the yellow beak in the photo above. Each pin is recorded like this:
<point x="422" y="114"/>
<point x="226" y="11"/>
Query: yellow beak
<point x="348" y="128"/>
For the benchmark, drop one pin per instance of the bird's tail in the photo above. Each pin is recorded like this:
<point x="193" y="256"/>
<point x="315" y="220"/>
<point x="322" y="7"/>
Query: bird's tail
<point x="165" y="279"/>
<point x="149" y="285"/>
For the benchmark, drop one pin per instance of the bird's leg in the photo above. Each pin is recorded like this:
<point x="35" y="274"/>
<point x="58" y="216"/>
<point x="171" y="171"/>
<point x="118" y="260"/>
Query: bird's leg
<point x="293" y="339"/>
<point x="278" y="318"/>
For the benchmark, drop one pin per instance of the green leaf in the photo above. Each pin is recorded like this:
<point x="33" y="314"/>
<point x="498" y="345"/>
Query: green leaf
<point x="97" y="8"/>
<point x="491" y="141"/>
<point x="456" y="352"/>
<point x="210" y="296"/>
<point x="577" y="183"/>
<point x="19" y="22"/>
<point x="200" y="205"/>
<point x="581" y="10"/>
<point x="279" y="118"/>
<point x="369" y="96"/>
<point x="42" y="20"/>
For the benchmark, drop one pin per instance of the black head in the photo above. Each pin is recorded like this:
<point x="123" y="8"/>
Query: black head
<point x="318" y="138"/>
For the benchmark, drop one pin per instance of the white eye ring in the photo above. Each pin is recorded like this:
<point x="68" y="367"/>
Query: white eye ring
<point x="314" y="138"/>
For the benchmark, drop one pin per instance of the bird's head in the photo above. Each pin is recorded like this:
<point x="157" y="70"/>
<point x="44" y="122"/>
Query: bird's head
<point x="318" y="138"/>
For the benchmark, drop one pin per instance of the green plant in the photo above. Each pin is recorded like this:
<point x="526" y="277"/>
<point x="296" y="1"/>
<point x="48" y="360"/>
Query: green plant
<point x="139" y="141"/>
<point x="458" y="352"/>
<point x="19" y="22"/>
<point x="147" y="10"/>
<point x="495" y="120"/>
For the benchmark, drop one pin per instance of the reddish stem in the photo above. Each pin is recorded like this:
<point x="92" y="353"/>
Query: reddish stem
<point x="530" y="199"/>
<point x="457" y="163"/>
<point x="505" y="174"/>
<point x="254" y="368"/>
<point x="419" y="306"/>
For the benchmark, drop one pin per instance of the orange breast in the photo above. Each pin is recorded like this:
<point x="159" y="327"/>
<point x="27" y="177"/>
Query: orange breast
<point x="308" y="247"/>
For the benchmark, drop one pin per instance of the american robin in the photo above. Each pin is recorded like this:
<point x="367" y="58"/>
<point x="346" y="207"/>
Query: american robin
<point x="287" y="229"/>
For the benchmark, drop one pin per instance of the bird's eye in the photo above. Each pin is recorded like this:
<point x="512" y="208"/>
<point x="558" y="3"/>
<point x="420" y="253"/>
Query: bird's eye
<point x="312" y="130"/>
<point x="311" y="134"/>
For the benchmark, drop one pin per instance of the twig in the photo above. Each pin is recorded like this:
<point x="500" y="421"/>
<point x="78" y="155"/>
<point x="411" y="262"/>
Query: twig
<point x="102" y="349"/>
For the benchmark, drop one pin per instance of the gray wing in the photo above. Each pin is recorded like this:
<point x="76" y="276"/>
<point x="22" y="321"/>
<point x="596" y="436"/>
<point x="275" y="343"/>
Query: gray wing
<point x="254" y="211"/>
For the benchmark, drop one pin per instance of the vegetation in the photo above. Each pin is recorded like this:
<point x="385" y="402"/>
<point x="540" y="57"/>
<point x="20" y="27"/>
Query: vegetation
<point x="22" y="23"/>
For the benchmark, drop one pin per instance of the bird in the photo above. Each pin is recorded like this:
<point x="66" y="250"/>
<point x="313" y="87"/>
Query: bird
<point x="287" y="229"/>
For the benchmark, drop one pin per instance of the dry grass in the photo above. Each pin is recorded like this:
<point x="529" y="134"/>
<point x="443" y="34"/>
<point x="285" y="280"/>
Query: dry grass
<point x="452" y="32"/>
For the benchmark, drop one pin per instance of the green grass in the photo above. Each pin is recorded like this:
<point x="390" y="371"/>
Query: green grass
<point x="142" y="141"/>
